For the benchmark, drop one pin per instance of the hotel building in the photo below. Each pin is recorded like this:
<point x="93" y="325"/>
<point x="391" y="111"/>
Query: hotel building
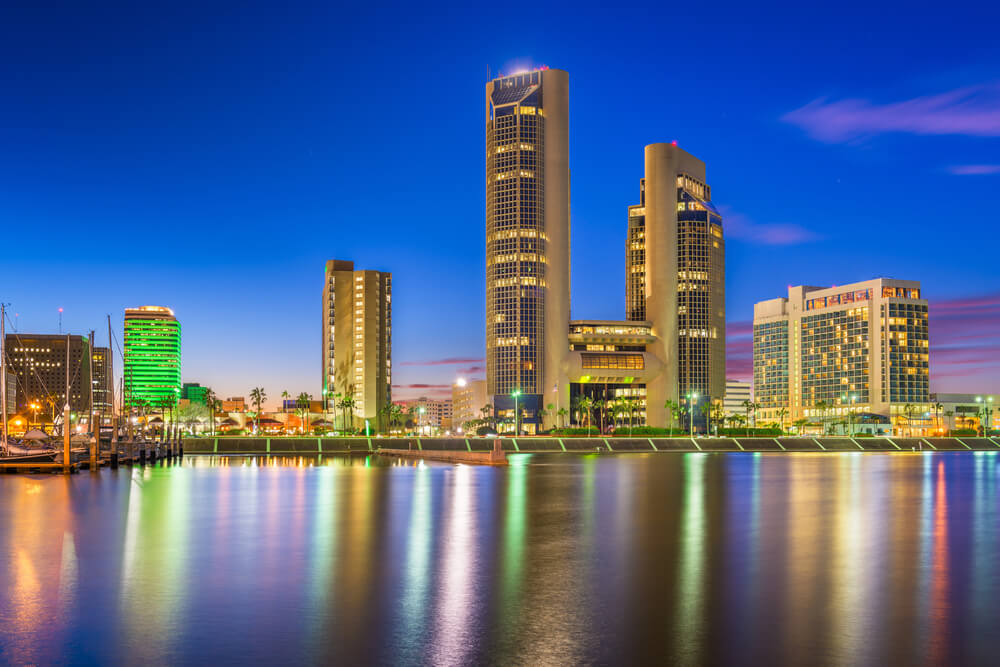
<point x="467" y="400"/>
<point x="527" y="240"/>
<point x="152" y="372"/>
<point x="357" y="339"/>
<point x="36" y="369"/>
<point x="736" y="393"/>
<point x="822" y="352"/>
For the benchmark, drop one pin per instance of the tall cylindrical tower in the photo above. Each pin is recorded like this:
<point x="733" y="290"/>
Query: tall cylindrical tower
<point x="527" y="240"/>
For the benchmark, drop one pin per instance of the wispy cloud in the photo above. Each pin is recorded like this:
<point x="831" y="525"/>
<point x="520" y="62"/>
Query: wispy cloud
<point x="740" y="226"/>
<point x="974" y="169"/>
<point x="449" y="361"/>
<point x="739" y="351"/>
<point x="964" y="345"/>
<point x="971" y="111"/>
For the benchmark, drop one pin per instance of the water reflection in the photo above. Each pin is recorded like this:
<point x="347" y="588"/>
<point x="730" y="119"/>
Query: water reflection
<point x="742" y="558"/>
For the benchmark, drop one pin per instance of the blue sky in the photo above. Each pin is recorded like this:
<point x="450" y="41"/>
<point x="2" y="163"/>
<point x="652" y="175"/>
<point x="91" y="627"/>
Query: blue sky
<point x="211" y="157"/>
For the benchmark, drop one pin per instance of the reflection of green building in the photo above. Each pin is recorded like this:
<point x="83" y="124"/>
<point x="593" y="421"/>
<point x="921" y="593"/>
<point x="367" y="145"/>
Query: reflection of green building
<point x="194" y="392"/>
<point x="152" y="356"/>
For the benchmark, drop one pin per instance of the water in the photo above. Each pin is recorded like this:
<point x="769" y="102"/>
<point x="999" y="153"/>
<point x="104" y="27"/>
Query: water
<point x="686" y="558"/>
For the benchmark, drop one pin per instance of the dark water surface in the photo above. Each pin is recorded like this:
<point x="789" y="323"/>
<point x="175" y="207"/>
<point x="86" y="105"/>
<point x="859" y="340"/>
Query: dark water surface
<point x="558" y="559"/>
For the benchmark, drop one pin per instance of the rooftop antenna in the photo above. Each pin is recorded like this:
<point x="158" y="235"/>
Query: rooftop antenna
<point x="60" y="321"/>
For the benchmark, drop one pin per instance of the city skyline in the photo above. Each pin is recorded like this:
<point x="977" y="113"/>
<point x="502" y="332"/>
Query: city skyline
<point x="881" y="149"/>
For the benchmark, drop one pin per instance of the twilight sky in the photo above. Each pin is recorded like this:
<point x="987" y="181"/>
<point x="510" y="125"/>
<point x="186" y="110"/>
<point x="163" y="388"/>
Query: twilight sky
<point x="210" y="157"/>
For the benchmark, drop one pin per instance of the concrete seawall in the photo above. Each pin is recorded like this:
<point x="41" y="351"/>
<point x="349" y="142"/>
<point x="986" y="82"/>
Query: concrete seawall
<point x="475" y="458"/>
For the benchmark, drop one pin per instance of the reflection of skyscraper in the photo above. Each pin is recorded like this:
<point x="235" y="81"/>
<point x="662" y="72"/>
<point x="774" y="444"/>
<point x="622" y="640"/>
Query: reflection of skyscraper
<point x="527" y="239"/>
<point x="357" y="339"/>
<point x="152" y="372"/>
<point x="675" y="275"/>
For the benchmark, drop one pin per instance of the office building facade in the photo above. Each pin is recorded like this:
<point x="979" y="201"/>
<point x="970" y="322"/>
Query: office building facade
<point x="527" y="240"/>
<point x="357" y="340"/>
<point x="36" y="372"/>
<point x="736" y="393"/>
<point x="826" y="352"/>
<point x="675" y="278"/>
<point x="152" y="370"/>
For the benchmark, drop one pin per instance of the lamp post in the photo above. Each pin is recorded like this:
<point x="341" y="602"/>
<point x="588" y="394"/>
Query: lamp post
<point x="692" y="399"/>
<point x="517" y="430"/>
<point x="420" y="419"/>
<point x="850" y="414"/>
<point x="986" y="412"/>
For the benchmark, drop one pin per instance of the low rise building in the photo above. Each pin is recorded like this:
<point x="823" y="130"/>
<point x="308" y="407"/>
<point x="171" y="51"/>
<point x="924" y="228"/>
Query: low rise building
<point x="951" y="412"/>
<point x="468" y="397"/>
<point x="737" y="392"/>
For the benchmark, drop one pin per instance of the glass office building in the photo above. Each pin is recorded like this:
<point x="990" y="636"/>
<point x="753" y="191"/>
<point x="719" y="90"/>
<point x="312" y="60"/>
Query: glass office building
<point x="152" y="372"/>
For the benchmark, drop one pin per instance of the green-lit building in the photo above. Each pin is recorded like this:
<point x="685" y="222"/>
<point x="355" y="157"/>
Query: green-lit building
<point x="194" y="392"/>
<point x="152" y="373"/>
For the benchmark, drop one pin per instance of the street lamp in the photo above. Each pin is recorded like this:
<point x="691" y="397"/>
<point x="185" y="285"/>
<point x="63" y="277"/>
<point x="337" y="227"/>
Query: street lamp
<point x="420" y="419"/>
<point x="517" y="429"/>
<point x="850" y="414"/>
<point x="692" y="398"/>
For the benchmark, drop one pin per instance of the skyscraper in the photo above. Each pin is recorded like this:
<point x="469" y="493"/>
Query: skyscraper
<point x="675" y="277"/>
<point x="152" y="372"/>
<point x="527" y="240"/>
<point x="102" y="379"/>
<point x="357" y="341"/>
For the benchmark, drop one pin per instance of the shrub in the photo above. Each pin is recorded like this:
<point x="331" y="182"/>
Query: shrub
<point x="750" y="432"/>
<point x="623" y="432"/>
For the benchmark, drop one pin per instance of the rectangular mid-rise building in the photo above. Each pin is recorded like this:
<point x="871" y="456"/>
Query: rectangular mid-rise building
<point x="468" y="397"/>
<point x="36" y="370"/>
<point x="357" y="342"/>
<point x="823" y="352"/>
<point x="152" y="372"/>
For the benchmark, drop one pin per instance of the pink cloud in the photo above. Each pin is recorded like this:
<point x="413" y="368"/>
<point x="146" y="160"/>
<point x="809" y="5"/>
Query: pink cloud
<point x="739" y="226"/>
<point x="739" y="351"/>
<point x="974" y="169"/>
<point x="450" y="361"/>
<point x="972" y="111"/>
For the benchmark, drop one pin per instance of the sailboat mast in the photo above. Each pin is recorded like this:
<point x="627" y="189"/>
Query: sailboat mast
<point x="3" y="372"/>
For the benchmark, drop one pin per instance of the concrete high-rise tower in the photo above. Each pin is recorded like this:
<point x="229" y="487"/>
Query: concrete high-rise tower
<point x="675" y="279"/>
<point x="357" y="341"/>
<point x="527" y="241"/>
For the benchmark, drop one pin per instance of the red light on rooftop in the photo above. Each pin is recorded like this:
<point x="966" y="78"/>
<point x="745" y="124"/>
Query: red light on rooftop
<point x="673" y="143"/>
<point x="60" y="310"/>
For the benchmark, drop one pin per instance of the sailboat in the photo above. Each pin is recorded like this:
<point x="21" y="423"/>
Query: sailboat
<point x="11" y="452"/>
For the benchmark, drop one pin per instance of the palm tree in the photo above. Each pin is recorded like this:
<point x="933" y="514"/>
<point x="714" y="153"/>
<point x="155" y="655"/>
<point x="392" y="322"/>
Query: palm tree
<point x="257" y="398"/>
<point x="585" y="405"/>
<point x="284" y="397"/>
<point x="909" y="409"/>
<point x="550" y="410"/>
<point x="800" y="424"/>
<point x="347" y="405"/>
<point x="937" y="412"/>
<point x="302" y="408"/>
<point x="782" y="413"/>
<point x="949" y="414"/>
<point x="673" y="409"/>
<point x="562" y="412"/>
<point x="706" y="412"/>
<point x="748" y="406"/>
<point x="210" y="404"/>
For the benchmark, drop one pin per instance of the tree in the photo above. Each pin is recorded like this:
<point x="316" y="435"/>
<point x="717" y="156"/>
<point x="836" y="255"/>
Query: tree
<point x="585" y="406"/>
<point x="210" y="400"/>
<point x="562" y="412"/>
<point x="487" y="412"/>
<point x="782" y="413"/>
<point x="550" y="410"/>
<point x="284" y="397"/>
<point x="748" y="406"/>
<point x="347" y="404"/>
<point x="909" y="410"/>
<point x="800" y="424"/>
<point x="937" y="413"/>
<point x="673" y="409"/>
<point x="257" y="398"/>
<point x="191" y="414"/>
<point x="302" y="408"/>
<point x="949" y="414"/>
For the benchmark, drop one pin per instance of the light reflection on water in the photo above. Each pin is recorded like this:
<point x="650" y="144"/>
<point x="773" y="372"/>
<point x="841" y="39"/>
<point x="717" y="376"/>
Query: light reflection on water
<point x="739" y="558"/>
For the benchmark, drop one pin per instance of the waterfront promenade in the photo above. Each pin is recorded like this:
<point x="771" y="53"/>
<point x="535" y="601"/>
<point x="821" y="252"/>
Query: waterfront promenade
<point x="348" y="445"/>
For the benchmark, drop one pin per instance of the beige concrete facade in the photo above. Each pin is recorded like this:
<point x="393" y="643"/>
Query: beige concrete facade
<point x="357" y="340"/>
<point x="527" y="238"/>
<point x="675" y="278"/>
<point x="467" y="400"/>
<point x="861" y="347"/>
